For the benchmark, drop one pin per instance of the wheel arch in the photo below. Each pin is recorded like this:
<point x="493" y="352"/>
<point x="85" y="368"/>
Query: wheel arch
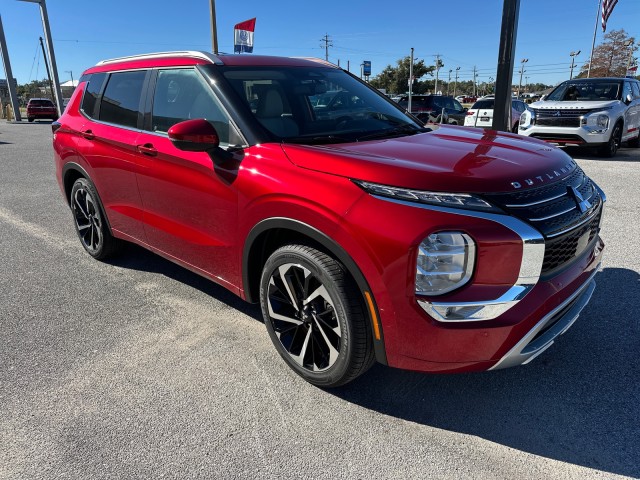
<point x="272" y="233"/>
<point x="72" y="172"/>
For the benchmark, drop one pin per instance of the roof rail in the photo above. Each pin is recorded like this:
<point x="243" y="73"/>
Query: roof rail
<point x="318" y="60"/>
<point x="146" y="56"/>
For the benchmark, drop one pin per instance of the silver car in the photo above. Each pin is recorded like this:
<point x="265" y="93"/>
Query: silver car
<point x="588" y="112"/>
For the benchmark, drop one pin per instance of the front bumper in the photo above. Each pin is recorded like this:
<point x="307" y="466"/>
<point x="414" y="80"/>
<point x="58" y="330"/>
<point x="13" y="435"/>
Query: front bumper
<point x="567" y="136"/>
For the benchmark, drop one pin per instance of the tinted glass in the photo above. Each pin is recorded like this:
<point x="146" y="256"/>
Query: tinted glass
<point x="636" y="89"/>
<point x="121" y="98"/>
<point x="577" y="90"/>
<point x="316" y="104"/>
<point x="182" y="94"/>
<point x="91" y="93"/>
<point x="485" y="104"/>
<point x="41" y="103"/>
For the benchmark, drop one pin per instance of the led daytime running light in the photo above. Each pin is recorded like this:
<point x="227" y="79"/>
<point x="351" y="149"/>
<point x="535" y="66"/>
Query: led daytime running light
<point x="455" y="200"/>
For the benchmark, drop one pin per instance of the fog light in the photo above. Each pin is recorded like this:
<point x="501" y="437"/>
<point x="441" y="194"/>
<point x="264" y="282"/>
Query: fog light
<point x="445" y="262"/>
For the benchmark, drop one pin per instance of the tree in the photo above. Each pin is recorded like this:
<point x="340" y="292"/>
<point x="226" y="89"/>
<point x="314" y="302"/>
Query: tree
<point x="396" y="79"/>
<point x="610" y="58"/>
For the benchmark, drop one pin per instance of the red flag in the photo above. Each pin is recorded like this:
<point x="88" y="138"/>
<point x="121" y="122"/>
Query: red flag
<point x="243" y="36"/>
<point x="607" y="8"/>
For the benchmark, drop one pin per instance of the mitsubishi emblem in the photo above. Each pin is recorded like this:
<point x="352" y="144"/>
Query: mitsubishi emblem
<point x="583" y="205"/>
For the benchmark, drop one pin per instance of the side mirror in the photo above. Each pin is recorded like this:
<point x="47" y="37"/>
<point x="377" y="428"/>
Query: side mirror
<point x="628" y="99"/>
<point x="465" y="109"/>
<point x="194" y="136"/>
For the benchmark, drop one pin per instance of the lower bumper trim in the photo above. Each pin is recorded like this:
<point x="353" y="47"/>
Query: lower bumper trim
<point x="554" y="324"/>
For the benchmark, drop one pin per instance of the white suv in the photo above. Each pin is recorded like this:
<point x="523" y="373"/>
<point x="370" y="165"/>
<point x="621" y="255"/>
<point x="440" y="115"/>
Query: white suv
<point x="590" y="112"/>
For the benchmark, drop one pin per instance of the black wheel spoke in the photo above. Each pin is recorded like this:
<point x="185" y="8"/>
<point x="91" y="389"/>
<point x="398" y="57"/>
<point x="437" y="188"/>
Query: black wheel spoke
<point x="296" y="295"/>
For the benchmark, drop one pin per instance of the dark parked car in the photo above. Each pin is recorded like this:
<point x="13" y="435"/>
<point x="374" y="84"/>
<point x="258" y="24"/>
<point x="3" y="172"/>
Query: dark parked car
<point x="41" y="108"/>
<point x="428" y="108"/>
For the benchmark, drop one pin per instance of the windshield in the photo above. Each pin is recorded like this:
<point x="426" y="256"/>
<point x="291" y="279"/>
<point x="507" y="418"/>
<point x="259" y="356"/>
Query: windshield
<point x="317" y="105"/>
<point x="577" y="90"/>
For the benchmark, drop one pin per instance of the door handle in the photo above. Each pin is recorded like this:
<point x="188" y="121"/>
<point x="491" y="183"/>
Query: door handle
<point x="147" y="149"/>
<point x="88" y="134"/>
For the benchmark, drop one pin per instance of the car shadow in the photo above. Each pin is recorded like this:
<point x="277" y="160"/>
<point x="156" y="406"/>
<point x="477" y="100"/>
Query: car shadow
<point x="624" y="154"/>
<point x="138" y="258"/>
<point x="577" y="403"/>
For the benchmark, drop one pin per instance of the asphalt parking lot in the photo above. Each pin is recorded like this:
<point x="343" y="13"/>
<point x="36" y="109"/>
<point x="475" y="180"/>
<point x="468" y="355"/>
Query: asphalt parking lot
<point x="138" y="368"/>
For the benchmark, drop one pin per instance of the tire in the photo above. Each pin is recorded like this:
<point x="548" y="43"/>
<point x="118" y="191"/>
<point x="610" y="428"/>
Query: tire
<point x="90" y="221"/>
<point x="315" y="316"/>
<point x="609" y="150"/>
<point x="30" y="119"/>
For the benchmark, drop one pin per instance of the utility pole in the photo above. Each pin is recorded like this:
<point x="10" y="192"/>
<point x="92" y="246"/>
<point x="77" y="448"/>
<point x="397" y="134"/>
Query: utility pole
<point x="504" y="75"/>
<point x="327" y="43"/>
<point x="474" y="80"/>
<point x="522" y="70"/>
<point x="573" y="57"/>
<point x="455" y="84"/>
<point x="449" y="82"/>
<point x="348" y="65"/>
<point x="70" y="73"/>
<point x="46" y="64"/>
<point x="214" y="28"/>
<point x="13" y="97"/>
<point x="435" y="89"/>
<point x="410" y="80"/>
<point x="57" y="94"/>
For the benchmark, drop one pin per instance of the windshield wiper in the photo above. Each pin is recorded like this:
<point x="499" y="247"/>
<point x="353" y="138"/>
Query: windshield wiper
<point x="398" y="131"/>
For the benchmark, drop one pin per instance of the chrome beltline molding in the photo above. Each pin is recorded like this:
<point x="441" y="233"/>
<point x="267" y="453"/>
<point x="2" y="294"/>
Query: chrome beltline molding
<point x="533" y="248"/>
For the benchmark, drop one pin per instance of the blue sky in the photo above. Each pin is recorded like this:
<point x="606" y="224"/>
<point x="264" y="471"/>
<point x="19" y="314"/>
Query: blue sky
<point x="464" y="32"/>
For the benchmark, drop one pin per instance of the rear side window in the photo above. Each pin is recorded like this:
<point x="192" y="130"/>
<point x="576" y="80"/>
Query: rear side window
<point x="484" y="104"/>
<point x="91" y="93"/>
<point x="121" y="99"/>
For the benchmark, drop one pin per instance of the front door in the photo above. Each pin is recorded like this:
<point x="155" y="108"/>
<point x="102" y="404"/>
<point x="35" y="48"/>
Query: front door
<point x="190" y="205"/>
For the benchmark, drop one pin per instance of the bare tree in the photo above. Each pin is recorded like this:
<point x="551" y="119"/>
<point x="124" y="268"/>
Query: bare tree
<point x="610" y="58"/>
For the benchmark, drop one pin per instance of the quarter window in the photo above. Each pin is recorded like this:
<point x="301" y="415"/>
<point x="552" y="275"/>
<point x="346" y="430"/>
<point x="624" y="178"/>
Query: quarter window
<point x="121" y="100"/>
<point x="182" y="94"/>
<point x="91" y="93"/>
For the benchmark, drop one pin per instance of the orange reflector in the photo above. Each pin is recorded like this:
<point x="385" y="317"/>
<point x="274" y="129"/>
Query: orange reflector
<point x="374" y="317"/>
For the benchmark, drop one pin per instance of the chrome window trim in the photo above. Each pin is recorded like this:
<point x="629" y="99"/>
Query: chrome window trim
<point x="533" y="248"/>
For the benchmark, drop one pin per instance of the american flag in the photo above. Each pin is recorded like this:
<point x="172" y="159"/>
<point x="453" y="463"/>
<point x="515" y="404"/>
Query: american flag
<point x="607" y="8"/>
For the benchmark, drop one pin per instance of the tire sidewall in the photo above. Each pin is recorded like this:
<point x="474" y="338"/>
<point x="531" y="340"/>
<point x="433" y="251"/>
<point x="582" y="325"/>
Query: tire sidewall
<point x="338" y="370"/>
<point x="104" y="230"/>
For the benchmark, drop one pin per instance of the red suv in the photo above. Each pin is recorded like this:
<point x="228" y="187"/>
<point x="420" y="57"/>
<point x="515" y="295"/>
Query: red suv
<point x="363" y="237"/>
<point x="41" y="108"/>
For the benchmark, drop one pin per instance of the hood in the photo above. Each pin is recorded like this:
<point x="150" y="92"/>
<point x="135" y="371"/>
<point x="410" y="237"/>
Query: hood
<point x="449" y="159"/>
<point x="581" y="104"/>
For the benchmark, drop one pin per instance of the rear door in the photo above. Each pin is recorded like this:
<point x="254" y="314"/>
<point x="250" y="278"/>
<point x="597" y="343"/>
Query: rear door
<point x="107" y="141"/>
<point x="632" y="113"/>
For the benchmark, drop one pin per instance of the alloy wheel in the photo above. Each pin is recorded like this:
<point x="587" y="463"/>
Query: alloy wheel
<point x="303" y="316"/>
<point x="88" y="219"/>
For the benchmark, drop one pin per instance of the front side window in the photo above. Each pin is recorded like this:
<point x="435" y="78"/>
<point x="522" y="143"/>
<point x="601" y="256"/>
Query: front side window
<point x="182" y="94"/>
<point x="121" y="99"/>
<point x="626" y="90"/>
<point x="91" y="93"/>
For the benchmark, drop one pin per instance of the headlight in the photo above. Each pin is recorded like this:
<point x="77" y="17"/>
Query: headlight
<point x="445" y="262"/>
<point x="526" y="119"/>
<point x="599" y="121"/>
<point x="455" y="200"/>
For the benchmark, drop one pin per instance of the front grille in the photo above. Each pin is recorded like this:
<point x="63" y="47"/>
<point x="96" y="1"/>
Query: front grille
<point x="559" y="138"/>
<point x="558" y="122"/>
<point x="560" y="117"/>
<point x="567" y="213"/>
